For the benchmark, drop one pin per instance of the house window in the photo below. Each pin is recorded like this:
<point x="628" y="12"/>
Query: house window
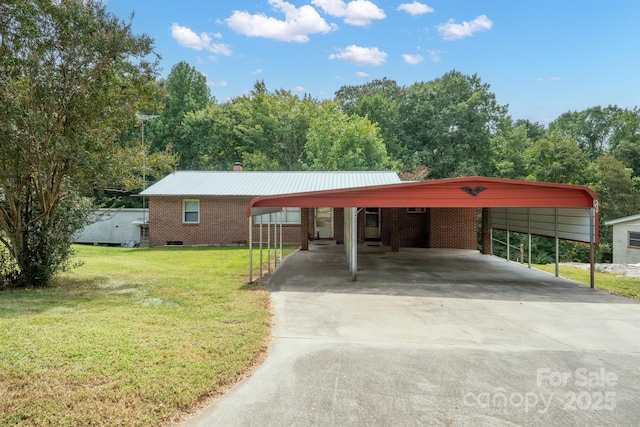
<point x="416" y="210"/>
<point x="634" y="239"/>
<point x="191" y="211"/>
<point x="289" y="216"/>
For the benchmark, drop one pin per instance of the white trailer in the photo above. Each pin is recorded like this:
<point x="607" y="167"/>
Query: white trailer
<point x="123" y="226"/>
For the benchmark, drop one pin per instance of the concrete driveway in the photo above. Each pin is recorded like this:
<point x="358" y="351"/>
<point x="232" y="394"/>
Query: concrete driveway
<point x="437" y="337"/>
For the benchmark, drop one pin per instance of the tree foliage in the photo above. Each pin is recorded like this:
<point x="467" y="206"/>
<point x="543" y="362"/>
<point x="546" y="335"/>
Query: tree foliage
<point x="447" y="124"/>
<point x="72" y="77"/>
<point x="337" y="141"/>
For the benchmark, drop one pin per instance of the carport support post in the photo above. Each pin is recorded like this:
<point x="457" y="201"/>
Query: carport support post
<point x="261" y="218"/>
<point x="281" y="220"/>
<point x="250" y="248"/>
<point x="529" y="239"/>
<point x="269" y="246"/>
<point x="557" y="245"/>
<point x="304" y="229"/>
<point x="592" y="248"/>
<point x="508" y="241"/>
<point x="354" y="244"/>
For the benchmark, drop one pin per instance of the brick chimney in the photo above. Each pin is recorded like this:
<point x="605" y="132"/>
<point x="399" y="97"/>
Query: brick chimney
<point x="237" y="167"/>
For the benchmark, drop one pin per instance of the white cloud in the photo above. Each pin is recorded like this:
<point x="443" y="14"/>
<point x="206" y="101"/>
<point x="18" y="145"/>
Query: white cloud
<point x="221" y="83"/>
<point x="258" y="71"/>
<point x="298" y="89"/>
<point x="298" y="23"/>
<point x="453" y="31"/>
<point x="188" y="38"/>
<point x="361" y="74"/>
<point x="412" y="59"/>
<point x="357" y="12"/>
<point x="551" y="79"/>
<point x="415" y="8"/>
<point x="360" y="55"/>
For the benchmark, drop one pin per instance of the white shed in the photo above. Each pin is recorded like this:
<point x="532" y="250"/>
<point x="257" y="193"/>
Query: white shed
<point x="626" y="239"/>
<point x="115" y="227"/>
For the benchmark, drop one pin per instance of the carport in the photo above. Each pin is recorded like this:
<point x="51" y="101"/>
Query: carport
<point x="559" y="211"/>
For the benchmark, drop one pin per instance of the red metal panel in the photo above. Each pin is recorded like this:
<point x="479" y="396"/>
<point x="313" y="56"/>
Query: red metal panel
<point x="476" y="192"/>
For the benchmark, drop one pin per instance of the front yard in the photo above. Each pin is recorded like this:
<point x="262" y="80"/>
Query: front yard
<point x="133" y="337"/>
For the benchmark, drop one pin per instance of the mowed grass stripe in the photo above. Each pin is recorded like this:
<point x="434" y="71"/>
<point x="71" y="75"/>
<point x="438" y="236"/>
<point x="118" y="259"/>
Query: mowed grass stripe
<point x="132" y="337"/>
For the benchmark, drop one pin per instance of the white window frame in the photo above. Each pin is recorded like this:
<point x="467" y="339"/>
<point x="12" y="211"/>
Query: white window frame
<point x="416" y="210"/>
<point x="635" y="237"/>
<point x="275" y="217"/>
<point x="184" y="211"/>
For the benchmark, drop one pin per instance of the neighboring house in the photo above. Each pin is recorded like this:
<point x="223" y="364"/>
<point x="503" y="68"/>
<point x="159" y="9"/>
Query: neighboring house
<point x="210" y="208"/>
<point x="115" y="227"/>
<point x="626" y="239"/>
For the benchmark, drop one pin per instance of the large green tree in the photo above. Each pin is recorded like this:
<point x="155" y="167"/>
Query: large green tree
<point x="72" y="77"/>
<point x="337" y="141"/>
<point x="186" y="91"/>
<point x="447" y="125"/>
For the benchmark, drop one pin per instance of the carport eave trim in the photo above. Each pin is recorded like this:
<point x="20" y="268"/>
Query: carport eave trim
<point x="349" y="196"/>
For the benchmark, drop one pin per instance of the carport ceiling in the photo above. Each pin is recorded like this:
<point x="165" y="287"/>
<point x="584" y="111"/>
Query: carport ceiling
<point x="467" y="192"/>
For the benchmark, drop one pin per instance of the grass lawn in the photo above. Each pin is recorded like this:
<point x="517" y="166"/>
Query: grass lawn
<point x="624" y="286"/>
<point x="133" y="337"/>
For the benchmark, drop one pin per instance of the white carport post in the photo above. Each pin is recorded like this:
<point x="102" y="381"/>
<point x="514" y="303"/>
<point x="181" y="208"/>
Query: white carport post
<point x="592" y="250"/>
<point x="529" y="237"/>
<point x="351" y="240"/>
<point x="269" y="246"/>
<point x="250" y="248"/>
<point x="557" y="244"/>
<point x="261" y="218"/>
<point x="281" y="220"/>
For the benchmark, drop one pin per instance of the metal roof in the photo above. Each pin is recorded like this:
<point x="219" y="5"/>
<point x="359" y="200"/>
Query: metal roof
<point x="249" y="183"/>
<point x="623" y="219"/>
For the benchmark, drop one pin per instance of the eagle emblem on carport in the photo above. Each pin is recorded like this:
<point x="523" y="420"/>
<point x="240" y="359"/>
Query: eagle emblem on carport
<point x="473" y="191"/>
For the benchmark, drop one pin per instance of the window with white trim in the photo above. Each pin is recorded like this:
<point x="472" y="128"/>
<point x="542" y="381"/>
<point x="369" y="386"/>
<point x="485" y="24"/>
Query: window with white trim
<point x="191" y="211"/>
<point x="290" y="216"/>
<point x="416" y="210"/>
<point x="634" y="239"/>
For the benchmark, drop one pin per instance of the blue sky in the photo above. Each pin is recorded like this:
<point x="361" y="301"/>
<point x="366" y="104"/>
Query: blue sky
<point x="542" y="57"/>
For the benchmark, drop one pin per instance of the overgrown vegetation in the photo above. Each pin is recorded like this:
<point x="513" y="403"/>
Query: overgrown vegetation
<point x="133" y="337"/>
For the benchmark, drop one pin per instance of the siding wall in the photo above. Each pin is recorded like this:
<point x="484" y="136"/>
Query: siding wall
<point x="622" y="253"/>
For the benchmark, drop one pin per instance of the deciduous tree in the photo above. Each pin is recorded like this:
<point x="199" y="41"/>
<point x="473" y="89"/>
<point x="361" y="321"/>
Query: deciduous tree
<point x="72" y="76"/>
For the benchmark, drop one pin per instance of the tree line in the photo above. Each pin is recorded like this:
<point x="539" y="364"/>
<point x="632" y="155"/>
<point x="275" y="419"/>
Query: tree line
<point x="447" y="127"/>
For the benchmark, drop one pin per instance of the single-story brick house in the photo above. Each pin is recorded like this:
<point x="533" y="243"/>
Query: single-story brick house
<point x="626" y="239"/>
<point x="209" y="208"/>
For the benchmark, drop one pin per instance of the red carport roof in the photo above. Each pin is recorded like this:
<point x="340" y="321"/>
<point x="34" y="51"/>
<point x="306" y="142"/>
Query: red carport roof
<point x="466" y="192"/>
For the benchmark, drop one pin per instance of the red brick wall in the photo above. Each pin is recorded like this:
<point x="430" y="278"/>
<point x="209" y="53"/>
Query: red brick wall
<point x="223" y="221"/>
<point x="454" y="228"/>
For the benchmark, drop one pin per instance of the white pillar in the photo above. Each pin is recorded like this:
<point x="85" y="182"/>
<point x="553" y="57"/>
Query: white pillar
<point x="250" y="248"/>
<point x="557" y="244"/>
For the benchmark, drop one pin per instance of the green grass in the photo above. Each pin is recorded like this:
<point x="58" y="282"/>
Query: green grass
<point x="624" y="286"/>
<point x="133" y="337"/>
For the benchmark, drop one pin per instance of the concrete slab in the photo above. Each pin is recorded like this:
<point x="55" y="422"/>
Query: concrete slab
<point x="438" y="337"/>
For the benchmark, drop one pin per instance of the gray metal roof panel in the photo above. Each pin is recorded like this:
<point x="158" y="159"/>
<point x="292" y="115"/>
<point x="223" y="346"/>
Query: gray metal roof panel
<point x="249" y="183"/>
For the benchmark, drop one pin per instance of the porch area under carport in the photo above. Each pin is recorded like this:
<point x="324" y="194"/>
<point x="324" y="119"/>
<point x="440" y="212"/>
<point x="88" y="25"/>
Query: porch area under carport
<point x="559" y="211"/>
